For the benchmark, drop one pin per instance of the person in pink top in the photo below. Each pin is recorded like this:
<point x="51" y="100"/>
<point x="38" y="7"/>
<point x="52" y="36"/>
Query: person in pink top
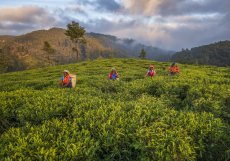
<point x="151" y="72"/>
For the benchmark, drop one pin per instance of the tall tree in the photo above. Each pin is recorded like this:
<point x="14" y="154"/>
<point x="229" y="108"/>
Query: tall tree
<point x="142" y="54"/>
<point x="76" y="34"/>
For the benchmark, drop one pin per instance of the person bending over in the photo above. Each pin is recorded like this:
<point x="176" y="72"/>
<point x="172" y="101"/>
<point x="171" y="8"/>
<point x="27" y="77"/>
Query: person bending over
<point x="174" y="69"/>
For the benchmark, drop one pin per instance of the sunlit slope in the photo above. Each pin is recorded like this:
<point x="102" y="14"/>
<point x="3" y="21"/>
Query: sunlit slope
<point x="183" y="117"/>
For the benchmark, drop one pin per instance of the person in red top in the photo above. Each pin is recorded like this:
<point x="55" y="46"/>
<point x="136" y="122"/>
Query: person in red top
<point x="151" y="72"/>
<point x="174" y="69"/>
<point x="113" y="75"/>
<point x="66" y="80"/>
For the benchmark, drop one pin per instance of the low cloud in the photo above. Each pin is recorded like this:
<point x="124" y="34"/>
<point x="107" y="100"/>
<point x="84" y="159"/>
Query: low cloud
<point x="24" y="18"/>
<point x="26" y="14"/>
<point x="107" y="26"/>
<point x="15" y="28"/>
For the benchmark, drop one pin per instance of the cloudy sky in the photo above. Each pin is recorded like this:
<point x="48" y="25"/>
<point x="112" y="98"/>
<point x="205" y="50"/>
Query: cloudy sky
<point x="169" y="24"/>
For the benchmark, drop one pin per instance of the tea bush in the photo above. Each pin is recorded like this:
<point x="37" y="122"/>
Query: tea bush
<point x="182" y="117"/>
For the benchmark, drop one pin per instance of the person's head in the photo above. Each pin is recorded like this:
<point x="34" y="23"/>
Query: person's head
<point x="151" y="67"/>
<point x="113" y="70"/>
<point x="173" y="64"/>
<point x="66" y="72"/>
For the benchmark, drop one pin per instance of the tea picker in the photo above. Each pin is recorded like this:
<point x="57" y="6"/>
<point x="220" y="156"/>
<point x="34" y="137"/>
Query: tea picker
<point x="151" y="71"/>
<point x="68" y="80"/>
<point x="113" y="75"/>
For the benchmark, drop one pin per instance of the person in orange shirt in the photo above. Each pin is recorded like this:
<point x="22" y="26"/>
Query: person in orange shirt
<point x="66" y="79"/>
<point x="174" y="69"/>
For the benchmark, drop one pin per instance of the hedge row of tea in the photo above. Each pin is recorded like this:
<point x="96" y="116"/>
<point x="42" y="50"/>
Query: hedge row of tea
<point x="183" y="117"/>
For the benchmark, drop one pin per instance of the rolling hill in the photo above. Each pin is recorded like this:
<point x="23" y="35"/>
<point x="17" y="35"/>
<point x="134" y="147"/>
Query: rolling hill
<point x="182" y="117"/>
<point x="213" y="54"/>
<point x="27" y="51"/>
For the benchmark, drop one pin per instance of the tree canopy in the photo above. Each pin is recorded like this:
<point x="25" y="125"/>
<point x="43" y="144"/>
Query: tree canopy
<point x="213" y="54"/>
<point x="75" y="32"/>
<point x="142" y="54"/>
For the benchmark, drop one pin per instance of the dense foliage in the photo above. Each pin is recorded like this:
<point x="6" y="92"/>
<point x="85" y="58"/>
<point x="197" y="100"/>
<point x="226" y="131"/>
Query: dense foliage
<point x="183" y="117"/>
<point x="76" y="33"/>
<point x="213" y="54"/>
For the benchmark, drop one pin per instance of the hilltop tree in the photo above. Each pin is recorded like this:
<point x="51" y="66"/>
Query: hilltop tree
<point x="76" y="34"/>
<point x="142" y="54"/>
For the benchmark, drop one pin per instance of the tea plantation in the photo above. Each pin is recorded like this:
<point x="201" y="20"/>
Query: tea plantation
<point x="182" y="118"/>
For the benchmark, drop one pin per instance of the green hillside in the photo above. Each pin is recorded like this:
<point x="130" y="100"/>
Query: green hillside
<point x="27" y="51"/>
<point x="213" y="54"/>
<point x="184" y="117"/>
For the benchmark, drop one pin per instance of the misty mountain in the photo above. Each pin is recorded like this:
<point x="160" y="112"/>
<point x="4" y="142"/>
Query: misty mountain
<point x="129" y="47"/>
<point x="52" y="47"/>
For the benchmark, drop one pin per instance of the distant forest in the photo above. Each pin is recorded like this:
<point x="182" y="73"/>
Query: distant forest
<point x="214" y="54"/>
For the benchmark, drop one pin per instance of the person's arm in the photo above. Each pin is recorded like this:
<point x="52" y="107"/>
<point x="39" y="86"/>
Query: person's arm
<point x="147" y="74"/>
<point x="170" y="69"/>
<point x="61" y="82"/>
<point x="117" y="75"/>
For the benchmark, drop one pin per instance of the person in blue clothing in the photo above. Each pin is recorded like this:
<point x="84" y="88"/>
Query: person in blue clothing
<point x="113" y="75"/>
<point x="66" y="79"/>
